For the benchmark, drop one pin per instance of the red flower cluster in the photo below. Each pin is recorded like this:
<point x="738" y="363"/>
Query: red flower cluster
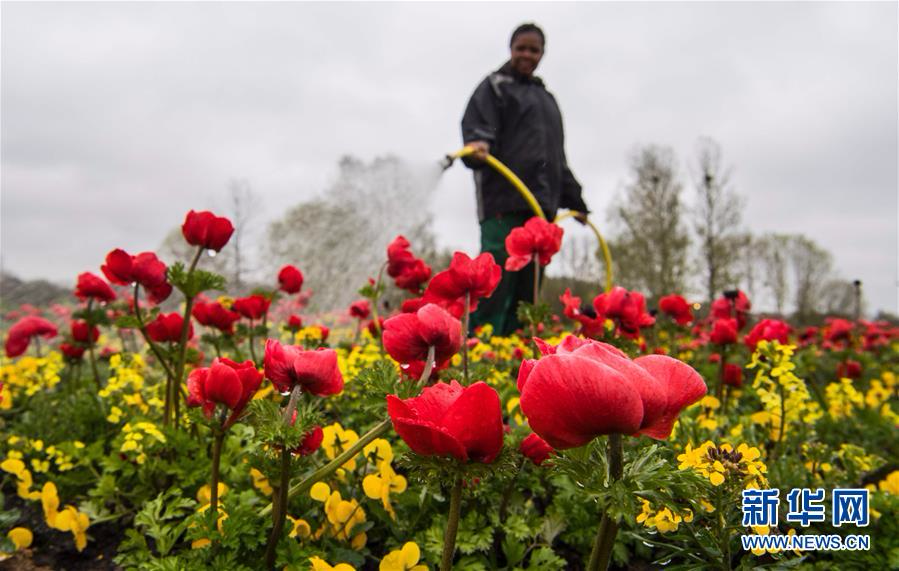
<point x="677" y="308"/>
<point x="315" y="371"/>
<point x="537" y="239"/>
<point x="592" y="325"/>
<point x="837" y="330"/>
<point x="253" y="306"/>
<point x="408" y="271"/>
<point x="360" y="309"/>
<point x="584" y="388"/>
<point x="214" y="314"/>
<point x="167" y="327"/>
<point x="146" y="269"/>
<point x="734" y="304"/>
<point x="477" y="278"/>
<point x="451" y="420"/>
<point x="90" y="286"/>
<point x="207" y="230"/>
<point x="769" y="330"/>
<point x="225" y="382"/>
<point x="290" y="279"/>
<point x="408" y="336"/>
<point x="22" y="331"/>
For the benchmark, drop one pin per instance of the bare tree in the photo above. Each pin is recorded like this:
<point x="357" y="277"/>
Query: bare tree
<point x="773" y="253"/>
<point x="244" y="208"/>
<point x="842" y="297"/>
<point x="716" y="218"/>
<point x="653" y="236"/>
<point x="811" y="266"/>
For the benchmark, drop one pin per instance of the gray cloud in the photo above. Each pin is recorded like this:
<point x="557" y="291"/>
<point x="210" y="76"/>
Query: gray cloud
<point x="118" y="118"/>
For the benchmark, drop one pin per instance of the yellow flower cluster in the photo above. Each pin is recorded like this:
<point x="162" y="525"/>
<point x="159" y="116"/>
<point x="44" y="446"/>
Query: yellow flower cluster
<point x="404" y="559"/>
<point x="707" y="417"/>
<point x="16" y="467"/>
<point x="69" y="519"/>
<point x="21" y="446"/>
<point x="723" y="463"/>
<point x="319" y="564"/>
<point x="890" y="484"/>
<point x="260" y="482"/>
<point x="380" y="485"/>
<point x="774" y="375"/>
<point x="351" y="362"/>
<point x="842" y="399"/>
<point x="881" y="391"/>
<point x="136" y="439"/>
<point x="308" y="334"/>
<point x="856" y="458"/>
<point x="513" y="407"/>
<point x="664" y="519"/>
<point x="28" y="375"/>
<point x="342" y="515"/>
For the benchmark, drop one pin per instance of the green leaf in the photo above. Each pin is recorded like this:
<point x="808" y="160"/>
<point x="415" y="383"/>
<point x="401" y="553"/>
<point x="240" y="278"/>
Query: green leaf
<point x="545" y="559"/>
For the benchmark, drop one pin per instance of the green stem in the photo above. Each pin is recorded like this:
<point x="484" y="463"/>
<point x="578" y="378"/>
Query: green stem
<point x="282" y="510"/>
<point x="332" y="466"/>
<point x="182" y="343"/>
<point x="608" y="528"/>
<point x="429" y="366"/>
<point x="719" y="390"/>
<point x="218" y="438"/>
<point x="287" y="416"/>
<point x="452" y="526"/>
<point x="169" y="374"/>
<point x="90" y="345"/>
<point x="465" y="318"/>
<point x="536" y="294"/>
<point x="374" y="306"/>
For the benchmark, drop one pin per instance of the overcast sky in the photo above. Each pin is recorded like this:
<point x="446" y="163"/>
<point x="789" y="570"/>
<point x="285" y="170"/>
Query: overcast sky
<point x="119" y="117"/>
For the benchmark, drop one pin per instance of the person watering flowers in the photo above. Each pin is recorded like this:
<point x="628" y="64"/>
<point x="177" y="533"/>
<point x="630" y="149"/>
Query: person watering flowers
<point x="512" y="116"/>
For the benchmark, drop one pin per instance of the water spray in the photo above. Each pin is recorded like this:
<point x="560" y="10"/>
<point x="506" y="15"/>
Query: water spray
<point x="528" y="196"/>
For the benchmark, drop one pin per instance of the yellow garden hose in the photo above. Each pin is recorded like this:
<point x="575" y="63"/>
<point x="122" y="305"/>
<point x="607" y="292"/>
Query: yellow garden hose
<point x="535" y="206"/>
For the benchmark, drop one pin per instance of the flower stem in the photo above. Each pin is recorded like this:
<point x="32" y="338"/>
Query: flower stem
<point x="719" y="390"/>
<point x="182" y="343"/>
<point x="536" y="294"/>
<point x="452" y="526"/>
<point x="282" y="510"/>
<point x="374" y="307"/>
<point x="169" y="375"/>
<point x="465" y="318"/>
<point x="90" y="345"/>
<point x="334" y="464"/>
<point x="608" y="528"/>
<point x="218" y="438"/>
<point x="429" y="366"/>
<point x="292" y="403"/>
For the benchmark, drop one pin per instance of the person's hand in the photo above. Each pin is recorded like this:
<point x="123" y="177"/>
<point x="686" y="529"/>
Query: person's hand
<point x="580" y="217"/>
<point x="481" y="150"/>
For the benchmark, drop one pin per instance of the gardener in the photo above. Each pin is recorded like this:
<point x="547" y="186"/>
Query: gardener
<point x="512" y="116"/>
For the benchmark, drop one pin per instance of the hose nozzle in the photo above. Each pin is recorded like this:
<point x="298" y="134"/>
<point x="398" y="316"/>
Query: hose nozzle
<point x="447" y="161"/>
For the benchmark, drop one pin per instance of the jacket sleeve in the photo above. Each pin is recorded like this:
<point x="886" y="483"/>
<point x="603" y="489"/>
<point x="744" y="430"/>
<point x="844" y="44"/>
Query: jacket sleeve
<point x="481" y="120"/>
<point x="571" y="191"/>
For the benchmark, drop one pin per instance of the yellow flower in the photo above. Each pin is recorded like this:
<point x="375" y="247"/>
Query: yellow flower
<point x="404" y="559"/>
<point x="50" y="503"/>
<point x="204" y="494"/>
<point x="70" y="519"/>
<point x="336" y="440"/>
<point x="890" y="484"/>
<point x="320" y="492"/>
<point x="380" y="486"/>
<point x="261" y="482"/>
<point x="319" y="564"/>
<point x="378" y="451"/>
<point x="21" y="537"/>
<point x="300" y="528"/>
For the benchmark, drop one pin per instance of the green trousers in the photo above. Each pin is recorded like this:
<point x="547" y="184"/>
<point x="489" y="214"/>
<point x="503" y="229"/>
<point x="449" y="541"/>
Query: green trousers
<point x="500" y="308"/>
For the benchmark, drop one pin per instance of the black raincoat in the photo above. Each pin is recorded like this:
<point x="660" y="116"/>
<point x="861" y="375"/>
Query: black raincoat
<point x="522" y="122"/>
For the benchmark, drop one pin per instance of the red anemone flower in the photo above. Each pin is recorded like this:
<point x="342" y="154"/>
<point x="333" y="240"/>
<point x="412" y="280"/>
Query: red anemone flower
<point x="73" y="352"/>
<point x="536" y="449"/>
<point x="84" y="333"/>
<point x="724" y="331"/>
<point x="592" y="325"/>
<point x="451" y="420"/>
<point x="22" y="331"/>
<point x="167" y="327"/>
<point x="121" y="268"/>
<point x="537" y="239"/>
<point x="294" y="323"/>
<point x="315" y="371"/>
<point x="408" y="271"/>
<point x="207" y="230"/>
<point x="677" y="308"/>
<point x="626" y="308"/>
<point x="290" y="279"/>
<point x="734" y="304"/>
<point x="583" y="388"/>
<point x="225" y="382"/>
<point x="477" y="278"/>
<point x="733" y="375"/>
<point x="253" y="306"/>
<point x="360" y="309"/>
<point x="769" y="330"/>
<point x="90" y="286"/>
<point x="408" y="336"/>
<point x="214" y="314"/>
<point x="312" y="440"/>
<point x="849" y="369"/>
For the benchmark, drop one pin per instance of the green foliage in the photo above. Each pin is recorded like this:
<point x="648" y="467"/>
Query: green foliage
<point x="196" y="282"/>
<point x="531" y="314"/>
